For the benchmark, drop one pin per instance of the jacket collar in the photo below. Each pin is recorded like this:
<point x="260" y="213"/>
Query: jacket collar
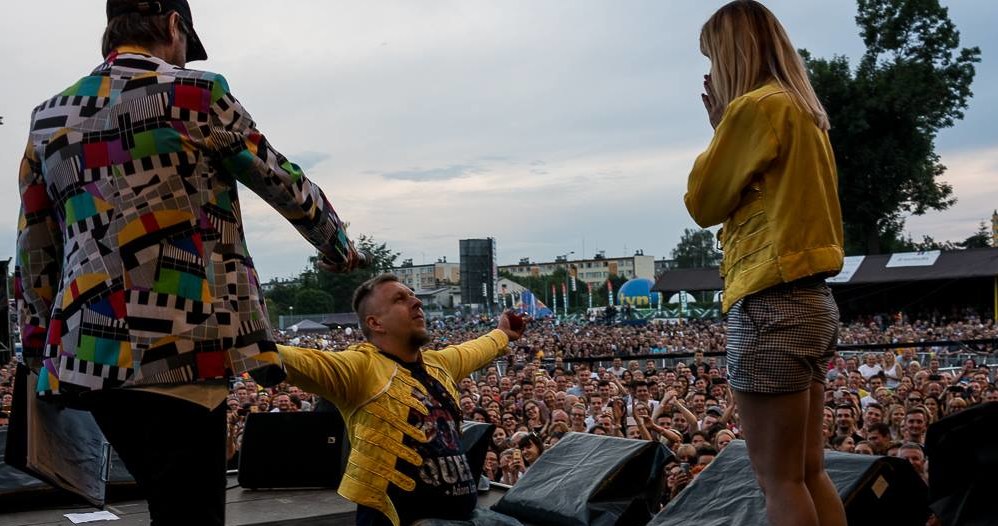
<point x="143" y="52"/>
<point x="132" y="50"/>
<point x="371" y="348"/>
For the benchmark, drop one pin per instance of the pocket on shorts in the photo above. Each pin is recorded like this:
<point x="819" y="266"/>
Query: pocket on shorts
<point x="759" y="310"/>
<point x="813" y="301"/>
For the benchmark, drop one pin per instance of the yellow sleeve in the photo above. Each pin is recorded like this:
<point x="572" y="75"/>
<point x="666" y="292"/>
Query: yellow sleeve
<point x="744" y="144"/>
<point x="468" y="357"/>
<point x="333" y="375"/>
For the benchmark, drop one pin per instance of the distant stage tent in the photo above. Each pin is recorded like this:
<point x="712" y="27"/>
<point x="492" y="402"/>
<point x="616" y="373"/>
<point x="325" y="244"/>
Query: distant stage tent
<point x="924" y="281"/>
<point x="307" y="327"/>
<point x="341" y="319"/>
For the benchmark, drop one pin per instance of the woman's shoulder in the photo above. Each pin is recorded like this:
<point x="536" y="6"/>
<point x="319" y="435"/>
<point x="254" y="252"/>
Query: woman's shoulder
<point x="769" y="95"/>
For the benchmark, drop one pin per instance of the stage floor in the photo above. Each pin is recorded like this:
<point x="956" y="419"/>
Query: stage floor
<point x="242" y="508"/>
<point x="305" y="507"/>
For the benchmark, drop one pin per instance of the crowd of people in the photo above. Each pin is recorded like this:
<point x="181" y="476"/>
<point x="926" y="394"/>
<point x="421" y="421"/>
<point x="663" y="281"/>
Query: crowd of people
<point x="876" y="403"/>
<point x="595" y="340"/>
<point x="6" y="392"/>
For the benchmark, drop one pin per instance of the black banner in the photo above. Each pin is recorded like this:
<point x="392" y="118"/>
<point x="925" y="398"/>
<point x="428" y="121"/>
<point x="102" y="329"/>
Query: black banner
<point x="6" y="346"/>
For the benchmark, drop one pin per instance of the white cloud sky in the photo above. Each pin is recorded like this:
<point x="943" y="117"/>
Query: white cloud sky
<point x="550" y="125"/>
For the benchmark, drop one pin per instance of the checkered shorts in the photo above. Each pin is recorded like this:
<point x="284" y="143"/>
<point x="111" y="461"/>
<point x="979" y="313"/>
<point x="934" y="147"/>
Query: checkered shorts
<point x="781" y="339"/>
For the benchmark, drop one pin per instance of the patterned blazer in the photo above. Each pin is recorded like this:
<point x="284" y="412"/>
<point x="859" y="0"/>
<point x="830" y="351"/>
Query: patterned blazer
<point x="132" y="267"/>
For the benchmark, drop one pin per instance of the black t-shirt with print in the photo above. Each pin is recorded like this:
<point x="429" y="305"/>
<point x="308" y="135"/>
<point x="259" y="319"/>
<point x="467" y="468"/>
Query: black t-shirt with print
<point x="445" y="487"/>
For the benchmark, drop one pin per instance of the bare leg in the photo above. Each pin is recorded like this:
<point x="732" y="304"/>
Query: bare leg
<point x="775" y="427"/>
<point x="823" y="493"/>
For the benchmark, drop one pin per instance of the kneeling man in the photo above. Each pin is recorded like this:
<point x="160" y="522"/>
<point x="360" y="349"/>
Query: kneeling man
<point x="400" y="405"/>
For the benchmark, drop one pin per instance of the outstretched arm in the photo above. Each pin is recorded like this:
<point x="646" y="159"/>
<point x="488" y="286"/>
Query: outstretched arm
<point x="468" y="357"/>
<point x="729" y="411"/>
<point x="332" y="375"/>
<point x="691" y="419"/>
<point x="244" y="152"/>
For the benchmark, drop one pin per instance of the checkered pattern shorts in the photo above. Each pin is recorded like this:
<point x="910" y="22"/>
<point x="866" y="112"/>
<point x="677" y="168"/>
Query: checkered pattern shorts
<point x="781" y="339"/>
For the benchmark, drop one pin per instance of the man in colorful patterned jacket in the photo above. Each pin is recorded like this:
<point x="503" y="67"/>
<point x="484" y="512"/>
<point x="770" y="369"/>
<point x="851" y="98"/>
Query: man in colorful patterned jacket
<point x="137" y="297"/>
<point x="400" y="404"/>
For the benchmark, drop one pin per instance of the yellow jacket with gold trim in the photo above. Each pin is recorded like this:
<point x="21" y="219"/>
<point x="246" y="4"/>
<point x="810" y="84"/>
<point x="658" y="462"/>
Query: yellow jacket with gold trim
<point x="374" y="393"/>
<point x="769" y="177"/>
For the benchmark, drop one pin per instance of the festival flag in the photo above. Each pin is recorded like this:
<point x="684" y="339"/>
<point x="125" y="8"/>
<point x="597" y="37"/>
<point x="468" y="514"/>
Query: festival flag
<point x="529" y="303"/>
<point x="564" y="297"/>
<point x="589" y="289"/>
<point x="554" y="300"/>
<point x="609" y="291"/>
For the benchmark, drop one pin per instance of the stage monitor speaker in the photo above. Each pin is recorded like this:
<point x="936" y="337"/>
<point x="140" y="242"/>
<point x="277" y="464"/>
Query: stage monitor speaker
<point x="963" y="460"/>
<point x="291" y="450"/>
<point x="590" y="479"/>
<point x="875" y="490"/>
<point x="475" y="440"/>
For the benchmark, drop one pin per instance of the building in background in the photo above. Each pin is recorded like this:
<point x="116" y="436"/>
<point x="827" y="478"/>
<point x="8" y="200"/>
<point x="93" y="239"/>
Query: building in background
<point x="595" y="270"/>
<point x="479" y="274"/>
<point x="662" y="265"/>
<point x="435" y="300"/>
<point x="430" y="276"/>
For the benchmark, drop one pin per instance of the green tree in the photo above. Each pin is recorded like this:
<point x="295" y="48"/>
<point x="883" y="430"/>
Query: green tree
<point x="980" y="239"/>
<point x="316" y="291"/>
<point x="927" y="243"/>
<point x="313" y="301"/>
<point x="274" y="311"/>
<point x="912" y="81"/>
<point x="340" y="286"/>
<point x="696" y="249"/>
<point x="281" y="296"/>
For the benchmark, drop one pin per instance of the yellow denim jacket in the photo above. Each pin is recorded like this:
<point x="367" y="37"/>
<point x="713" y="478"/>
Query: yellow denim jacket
<point x="374" y="394"/>
<point x="769" y="176"/>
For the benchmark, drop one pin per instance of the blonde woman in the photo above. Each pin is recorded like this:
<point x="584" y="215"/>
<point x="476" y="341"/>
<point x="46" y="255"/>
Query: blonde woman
<point x="892" y="369"/>
<point x="769" y="177"/>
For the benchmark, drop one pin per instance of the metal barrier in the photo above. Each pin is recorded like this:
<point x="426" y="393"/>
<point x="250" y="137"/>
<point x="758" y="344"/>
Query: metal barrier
<point x="950" y="353"/>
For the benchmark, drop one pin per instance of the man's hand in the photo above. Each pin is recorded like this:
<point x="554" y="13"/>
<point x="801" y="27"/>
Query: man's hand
<point x="355" y="259"/>
<point x="512" y="324"/>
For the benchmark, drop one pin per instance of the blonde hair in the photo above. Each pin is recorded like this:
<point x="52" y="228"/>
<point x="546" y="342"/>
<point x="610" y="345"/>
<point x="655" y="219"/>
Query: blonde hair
<point x="747" y="47"/>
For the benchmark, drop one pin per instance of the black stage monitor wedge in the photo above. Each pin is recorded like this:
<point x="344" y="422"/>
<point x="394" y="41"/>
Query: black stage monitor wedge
<point x="475" y="440"/>
<point x="876" y="491"/>
<point x="291" y="450"/>
<point x="590" y="480"/>
<point x="963" y="460"/>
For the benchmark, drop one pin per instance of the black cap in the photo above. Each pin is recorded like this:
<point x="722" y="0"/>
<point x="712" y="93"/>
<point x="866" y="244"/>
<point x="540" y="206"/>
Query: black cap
<point x="195" y="50"/>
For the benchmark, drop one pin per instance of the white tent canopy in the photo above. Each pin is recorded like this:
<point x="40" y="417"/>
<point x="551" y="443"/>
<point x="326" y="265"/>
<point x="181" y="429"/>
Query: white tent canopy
<point x="681" y="297"/>
<point x="308" y="326"/>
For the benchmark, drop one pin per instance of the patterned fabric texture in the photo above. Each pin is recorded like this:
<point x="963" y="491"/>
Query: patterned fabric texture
<point x="781" y="339"/>
<point x="132" y="265"/>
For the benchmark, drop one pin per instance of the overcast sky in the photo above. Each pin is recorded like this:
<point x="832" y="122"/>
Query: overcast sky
<point x="553" y="126"/>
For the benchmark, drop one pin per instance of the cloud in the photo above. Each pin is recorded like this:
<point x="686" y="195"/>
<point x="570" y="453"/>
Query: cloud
<point x="551" y="126"/>
<point x="453" y="171"/>
<point x="309" y="159"/>
<point x="972" y="172"/>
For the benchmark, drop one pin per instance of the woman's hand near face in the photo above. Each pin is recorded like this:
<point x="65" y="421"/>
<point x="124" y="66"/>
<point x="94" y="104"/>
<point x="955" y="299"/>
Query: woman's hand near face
<point x="714" y="110"/>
